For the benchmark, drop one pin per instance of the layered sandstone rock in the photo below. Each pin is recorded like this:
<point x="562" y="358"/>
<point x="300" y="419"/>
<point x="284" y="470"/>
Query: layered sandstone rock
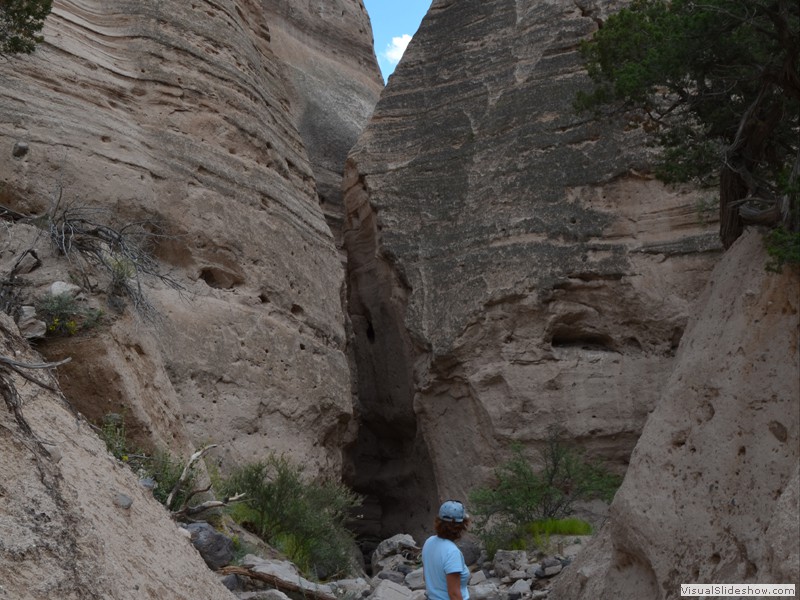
<point x="192" y="117"/>
<point x="512" y="265"/>
<point x="332" y="81"/>
<point x="74" y="522"/>
<point x="712" y="491"/>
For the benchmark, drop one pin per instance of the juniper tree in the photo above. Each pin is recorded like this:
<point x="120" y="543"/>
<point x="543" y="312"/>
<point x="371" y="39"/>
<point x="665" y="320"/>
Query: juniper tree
<point x="20" y="24"/>
<point x="717" y="84"/>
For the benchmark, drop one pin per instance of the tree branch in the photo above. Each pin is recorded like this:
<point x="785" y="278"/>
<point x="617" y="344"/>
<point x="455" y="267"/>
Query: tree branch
<point x="189" y="511"/>
<point x="185" y="474"/>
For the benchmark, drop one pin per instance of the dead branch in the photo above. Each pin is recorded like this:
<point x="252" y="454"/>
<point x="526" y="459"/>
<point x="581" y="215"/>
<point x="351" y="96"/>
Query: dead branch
<point x="10" y="214"/>
<point x="50" y="365"/>
<point x="190" y="511"/>
<point x="18" y="367"/>
<point x="78" y="233"/>
<point x="277" y="582"/>
<point x="185" y="474"/>
<point x="10" y="395"/>
<point x="9" y="391"/>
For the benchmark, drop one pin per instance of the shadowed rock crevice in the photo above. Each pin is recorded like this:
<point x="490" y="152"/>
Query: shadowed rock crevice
<point x="389" y="461"/>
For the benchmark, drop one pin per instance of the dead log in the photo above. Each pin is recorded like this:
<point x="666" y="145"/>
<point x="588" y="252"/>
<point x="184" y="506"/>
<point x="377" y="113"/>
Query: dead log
<point x="276" y="582"/>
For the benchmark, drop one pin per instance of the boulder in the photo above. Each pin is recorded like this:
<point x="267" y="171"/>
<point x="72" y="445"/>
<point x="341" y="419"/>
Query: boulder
<point x="401" y="543"/>
<point x="487" y="590"/>
<point x="471" y="548"/>
<point x="355" y="588"/>
<point x="521" y="587"/>
<point x="397" y="553"/>
<point x="29" y="326"/>
<point x="393" y="576"/>
<point x="388" y="590"/>
<point x="62" y="288"/>
<point x="415" y="580"/>
<point x="508" y="561"/>
<point x="551" y="566"/>
<point x="215" y="547"/>
<point x="477" y="578"/>
<point x="263" y="595"/>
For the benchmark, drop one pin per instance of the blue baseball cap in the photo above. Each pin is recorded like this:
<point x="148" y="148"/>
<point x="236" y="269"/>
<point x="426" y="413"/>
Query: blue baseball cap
<point x="452" y="510"/>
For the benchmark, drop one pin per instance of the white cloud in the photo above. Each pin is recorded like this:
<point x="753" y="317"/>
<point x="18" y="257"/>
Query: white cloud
<point x="394" y="51"/>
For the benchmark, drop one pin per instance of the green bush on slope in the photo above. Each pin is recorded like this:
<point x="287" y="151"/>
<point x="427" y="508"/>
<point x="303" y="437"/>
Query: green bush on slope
<point x="304" y="519"/>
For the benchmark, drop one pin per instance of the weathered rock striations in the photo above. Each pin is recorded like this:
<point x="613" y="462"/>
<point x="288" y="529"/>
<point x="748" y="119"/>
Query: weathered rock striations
<point x="74" y="522"/>
<point x="512" y="265"/>
<point x="332" y="81"/>
<point x="189" y="115"/>
<point x="711" y="494"/>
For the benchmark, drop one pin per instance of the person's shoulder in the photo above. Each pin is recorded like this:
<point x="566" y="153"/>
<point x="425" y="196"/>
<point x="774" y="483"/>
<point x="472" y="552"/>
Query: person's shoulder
<point x="452" y="546"/>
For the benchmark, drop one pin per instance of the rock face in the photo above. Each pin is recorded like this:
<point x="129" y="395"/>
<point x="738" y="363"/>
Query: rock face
<point x="715" y="472"/>
<point x="74" y="523"/>
<point x="190" y="116"/>
<point x="512" y="266"/>
<point x="332" y="81"/>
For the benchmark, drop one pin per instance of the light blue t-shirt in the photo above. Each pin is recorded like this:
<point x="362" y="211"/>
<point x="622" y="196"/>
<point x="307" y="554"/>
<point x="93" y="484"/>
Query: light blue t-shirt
<point x="439" y="558"/>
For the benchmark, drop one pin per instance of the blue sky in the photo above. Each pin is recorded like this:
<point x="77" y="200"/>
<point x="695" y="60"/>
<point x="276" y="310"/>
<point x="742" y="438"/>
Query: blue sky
<point x="394" y="22"/>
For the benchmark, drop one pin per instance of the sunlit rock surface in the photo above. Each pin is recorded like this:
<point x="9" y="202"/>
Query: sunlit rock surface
<point x="193" y="118"/>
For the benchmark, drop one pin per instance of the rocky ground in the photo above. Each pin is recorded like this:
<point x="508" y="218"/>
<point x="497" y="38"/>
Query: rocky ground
<point x="396" y="571"/>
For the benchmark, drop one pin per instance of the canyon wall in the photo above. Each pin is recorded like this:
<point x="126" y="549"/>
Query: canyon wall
<point x="332" y="81"/>
<point x="74" y="521"/>
<point x="712" y="493"/>
<point x="193" y="119"/>
<point x="513" y="266"/>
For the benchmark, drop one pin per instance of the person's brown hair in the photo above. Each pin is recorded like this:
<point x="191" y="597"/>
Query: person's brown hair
<point x="450" y="530"/>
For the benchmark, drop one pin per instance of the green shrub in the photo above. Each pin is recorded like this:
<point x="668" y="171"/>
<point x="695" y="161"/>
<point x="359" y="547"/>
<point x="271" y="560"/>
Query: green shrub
<point x="113" y="433"/>
<point x="568" y="526"/>
<point x="304" y="519"/>
<point x="65" y="316"/>
<point x="166" y="470"/>
<point x="521" y="497"/>
<point x="160" y="466"/>
<point x="783" y="247"/>
<point x="539" y="533"/>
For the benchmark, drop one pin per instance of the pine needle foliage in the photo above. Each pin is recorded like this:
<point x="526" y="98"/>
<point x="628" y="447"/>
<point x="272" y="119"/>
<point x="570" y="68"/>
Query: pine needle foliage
<point x="20" y="24"/>
<point x="717" y="85"/>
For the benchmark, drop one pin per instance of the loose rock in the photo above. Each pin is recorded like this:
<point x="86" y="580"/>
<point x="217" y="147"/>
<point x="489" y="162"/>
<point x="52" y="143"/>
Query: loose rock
<point x="215" y="548"/>
<point x="123" y="501"/>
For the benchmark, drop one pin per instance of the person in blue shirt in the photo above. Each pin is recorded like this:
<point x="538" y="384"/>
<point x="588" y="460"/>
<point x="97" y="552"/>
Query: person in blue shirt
<point x="446" y="574"/>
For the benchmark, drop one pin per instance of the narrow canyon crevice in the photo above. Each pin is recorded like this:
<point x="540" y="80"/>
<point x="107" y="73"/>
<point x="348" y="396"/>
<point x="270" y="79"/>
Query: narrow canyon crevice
<point x="388" y="462"/>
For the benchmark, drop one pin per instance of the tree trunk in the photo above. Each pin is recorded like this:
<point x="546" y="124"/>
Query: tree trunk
<point x="731" y="188"/>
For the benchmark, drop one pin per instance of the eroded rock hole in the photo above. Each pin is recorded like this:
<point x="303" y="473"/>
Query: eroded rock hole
<point x="219" y="278"/>
<point x="582" y="340"/>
